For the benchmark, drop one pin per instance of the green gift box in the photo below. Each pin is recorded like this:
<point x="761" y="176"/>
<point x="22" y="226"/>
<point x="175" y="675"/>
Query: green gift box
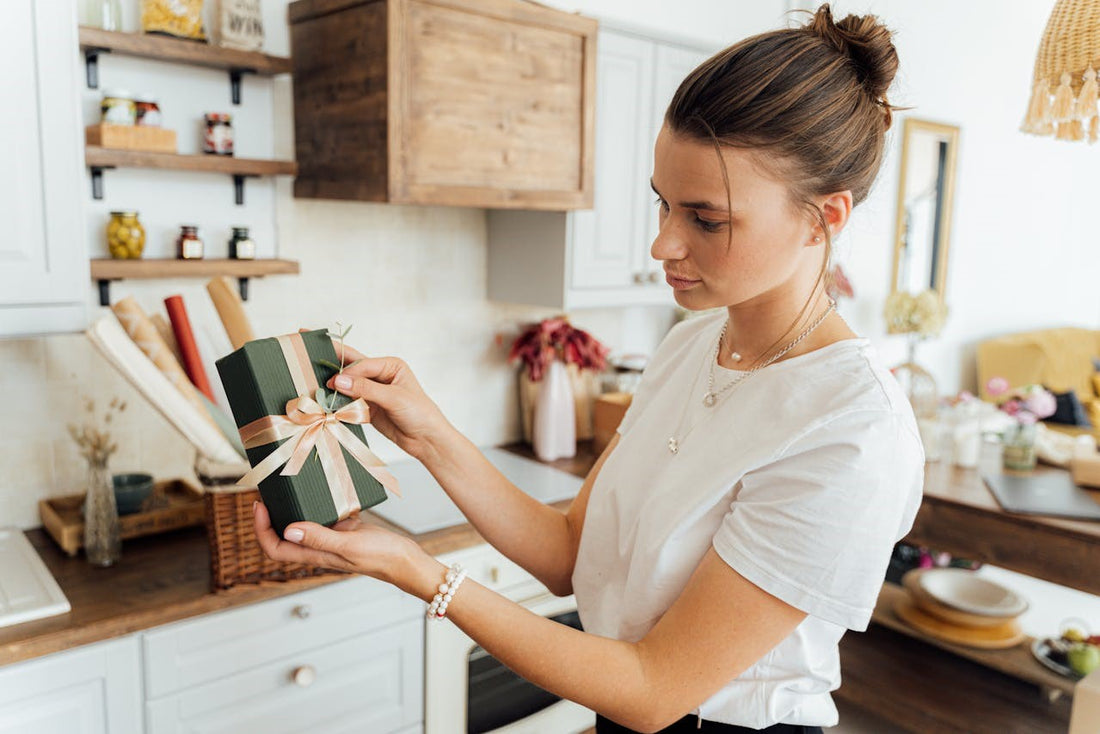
<point x="260" y="379"/>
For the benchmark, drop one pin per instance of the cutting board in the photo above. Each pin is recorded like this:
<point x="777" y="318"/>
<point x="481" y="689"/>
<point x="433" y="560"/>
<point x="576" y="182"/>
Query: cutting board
<point x="27" y="590"/>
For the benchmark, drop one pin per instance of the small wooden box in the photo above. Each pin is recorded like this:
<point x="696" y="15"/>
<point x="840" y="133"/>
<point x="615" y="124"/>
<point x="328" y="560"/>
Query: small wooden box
<point x="131" y="137"/>
<point x="174" y="504"/>
<point x="607" y="414"/>
<point x="1085" y="469"/>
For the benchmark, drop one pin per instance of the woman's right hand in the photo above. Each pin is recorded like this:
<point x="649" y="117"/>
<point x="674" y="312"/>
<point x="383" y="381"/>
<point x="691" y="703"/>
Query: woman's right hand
<point x="399" y="407"/>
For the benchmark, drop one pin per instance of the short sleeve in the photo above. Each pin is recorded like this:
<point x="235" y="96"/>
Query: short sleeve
<point x="816" y="527"/>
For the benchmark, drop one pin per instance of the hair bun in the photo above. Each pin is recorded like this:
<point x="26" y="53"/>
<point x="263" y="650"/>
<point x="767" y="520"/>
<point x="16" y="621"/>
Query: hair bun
<point x="867" y="42"/>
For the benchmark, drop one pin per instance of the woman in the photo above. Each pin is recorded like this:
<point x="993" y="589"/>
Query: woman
<point x="742" y="518"/>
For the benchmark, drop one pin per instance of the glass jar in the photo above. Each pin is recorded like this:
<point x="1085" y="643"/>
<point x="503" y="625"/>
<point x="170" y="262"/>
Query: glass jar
<point x="218" y="137"/>
<point x="147" y="110"/>
<point x="1019" y="447"/>
<point x="105" y="14"/>
<point x="188" y="245"/>
<point x="117" y="107"/>
<point x="125" y="236"/>
<point x="102" y="538"/>
<point x="241" y="246"/>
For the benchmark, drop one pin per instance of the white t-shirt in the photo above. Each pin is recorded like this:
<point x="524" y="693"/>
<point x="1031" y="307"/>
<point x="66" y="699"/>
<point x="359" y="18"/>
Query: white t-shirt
<point x="802" y="477"/>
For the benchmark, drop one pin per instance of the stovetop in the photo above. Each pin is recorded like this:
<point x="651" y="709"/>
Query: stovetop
<point x="424" y="506"/>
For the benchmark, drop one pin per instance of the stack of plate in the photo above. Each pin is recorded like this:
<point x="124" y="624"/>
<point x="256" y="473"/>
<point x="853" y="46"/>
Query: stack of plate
<point x="956" y="605"/>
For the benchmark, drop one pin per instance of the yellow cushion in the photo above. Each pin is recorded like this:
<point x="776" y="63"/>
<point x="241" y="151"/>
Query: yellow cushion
<point x="1060" y="359"/>
<point x="1096" y="384"/>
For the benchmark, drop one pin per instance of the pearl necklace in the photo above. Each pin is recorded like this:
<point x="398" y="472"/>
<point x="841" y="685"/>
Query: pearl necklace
<point x="712" y="396"/>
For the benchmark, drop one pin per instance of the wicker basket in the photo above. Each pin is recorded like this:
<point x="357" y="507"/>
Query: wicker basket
<point x="235" y="554"/>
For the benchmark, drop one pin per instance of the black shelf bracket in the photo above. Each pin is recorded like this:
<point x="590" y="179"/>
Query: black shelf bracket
<point x="104" y="292"/>
<point x="97" y="180"/>
<point x="242" y="285"/>
<point x="238" y="187"/>
<point x="235" y="83"/>
<point x="91" y="65"/>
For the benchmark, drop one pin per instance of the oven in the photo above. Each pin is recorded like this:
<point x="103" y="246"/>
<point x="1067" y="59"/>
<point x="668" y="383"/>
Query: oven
<point x="467" y="691"/>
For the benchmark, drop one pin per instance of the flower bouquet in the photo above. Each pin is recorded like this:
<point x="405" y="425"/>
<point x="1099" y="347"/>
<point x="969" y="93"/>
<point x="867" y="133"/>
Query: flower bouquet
<point x="1027" y="406"/>
<point x="550" y="340"/>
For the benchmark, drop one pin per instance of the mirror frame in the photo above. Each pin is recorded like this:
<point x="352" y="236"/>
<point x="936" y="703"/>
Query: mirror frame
<point x="951" y="133"/>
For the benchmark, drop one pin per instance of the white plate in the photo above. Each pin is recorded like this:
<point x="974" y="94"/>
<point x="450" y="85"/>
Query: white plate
<point x="1042" y="652"/>
<point x="964" y="590"/>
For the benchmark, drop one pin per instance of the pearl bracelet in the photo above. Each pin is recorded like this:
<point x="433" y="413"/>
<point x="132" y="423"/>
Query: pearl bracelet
<point x="454" y="577"/>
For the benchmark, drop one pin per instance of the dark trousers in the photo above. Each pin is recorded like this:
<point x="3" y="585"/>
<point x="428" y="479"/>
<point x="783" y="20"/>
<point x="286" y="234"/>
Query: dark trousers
<point x="688" y="724"/>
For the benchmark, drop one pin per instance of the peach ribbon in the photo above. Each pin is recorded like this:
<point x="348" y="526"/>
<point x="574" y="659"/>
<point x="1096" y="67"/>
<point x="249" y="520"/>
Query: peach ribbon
<point x="307" y="425"/>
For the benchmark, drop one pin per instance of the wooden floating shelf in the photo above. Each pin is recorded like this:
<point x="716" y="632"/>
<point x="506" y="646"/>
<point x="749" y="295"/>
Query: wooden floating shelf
<point x="99" y="159"/>
<point x="96" y="41"/>
<point x="104" y="270"/>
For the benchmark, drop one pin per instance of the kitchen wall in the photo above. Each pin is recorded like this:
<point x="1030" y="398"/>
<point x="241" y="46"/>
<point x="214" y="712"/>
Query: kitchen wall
<point x="410" y="279"/>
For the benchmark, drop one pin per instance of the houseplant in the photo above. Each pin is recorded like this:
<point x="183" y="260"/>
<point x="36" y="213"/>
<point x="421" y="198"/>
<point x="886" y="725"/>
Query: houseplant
<point x="554" y="345"/>
<point x="918" y="316"/>
<point x="1027" y="405"/>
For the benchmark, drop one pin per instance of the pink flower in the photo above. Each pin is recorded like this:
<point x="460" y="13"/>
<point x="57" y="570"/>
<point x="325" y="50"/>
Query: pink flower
<point x="1041" y="404"/>
<point x="997" y="386"/>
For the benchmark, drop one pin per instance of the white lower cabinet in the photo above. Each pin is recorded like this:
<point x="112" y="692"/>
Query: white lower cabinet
<point x="94" y="689"/>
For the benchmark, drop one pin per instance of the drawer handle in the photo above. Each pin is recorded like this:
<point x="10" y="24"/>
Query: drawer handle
<point x="494" y="574"/>
<point x="654" y="277"/>
<point x="302" y="611"/>
<point x="639" y="278"/>
<point x="304" y="675"/>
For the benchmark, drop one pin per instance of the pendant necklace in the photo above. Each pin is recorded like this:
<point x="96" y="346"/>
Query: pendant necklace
<point x="712" y="396"/>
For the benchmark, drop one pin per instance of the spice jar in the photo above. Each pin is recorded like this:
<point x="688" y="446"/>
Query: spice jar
<point x="147" y="110"/>
<point x="117" y="107"/>
<point x="218" y="137"/>
<point x="125" y="236"/>
<point x="241" y="246"/>
<point x="188" y="244"/>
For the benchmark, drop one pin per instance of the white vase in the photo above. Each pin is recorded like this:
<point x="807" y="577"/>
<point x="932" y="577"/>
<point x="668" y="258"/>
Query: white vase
<point x="554" y="432"/>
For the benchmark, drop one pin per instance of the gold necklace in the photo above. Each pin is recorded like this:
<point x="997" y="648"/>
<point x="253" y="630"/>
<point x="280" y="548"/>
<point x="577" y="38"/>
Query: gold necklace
<point x="712" y="396"/>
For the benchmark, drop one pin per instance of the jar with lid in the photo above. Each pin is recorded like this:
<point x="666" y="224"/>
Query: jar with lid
<point x="147" y="110"/>
<point x="125" y="235"/>
<point x="188" y="244"/>
<point x="218" y="136"/>
<point x="117" y="107"/>
<point x="241" y="246"/>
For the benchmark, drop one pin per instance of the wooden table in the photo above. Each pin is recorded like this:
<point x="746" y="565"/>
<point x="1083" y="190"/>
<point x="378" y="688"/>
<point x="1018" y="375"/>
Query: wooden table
<point x="961" y="689"/>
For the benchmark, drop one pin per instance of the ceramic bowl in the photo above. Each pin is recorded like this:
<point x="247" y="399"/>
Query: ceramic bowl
<point x="965" y="590"/>
<point x="131" y="490"/>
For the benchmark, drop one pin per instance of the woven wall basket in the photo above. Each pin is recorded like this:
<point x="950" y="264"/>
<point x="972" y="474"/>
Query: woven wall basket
<point x="1064" y="87"/>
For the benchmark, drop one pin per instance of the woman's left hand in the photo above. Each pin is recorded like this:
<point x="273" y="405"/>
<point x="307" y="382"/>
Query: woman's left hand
<point x="349" y="545"/>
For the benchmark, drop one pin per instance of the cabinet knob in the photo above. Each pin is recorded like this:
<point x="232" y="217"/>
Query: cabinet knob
<point x="639" y="278"/>
<point x="302" y="611"/>
<point x="304" y="675"/>
<point x="654" y="277"/>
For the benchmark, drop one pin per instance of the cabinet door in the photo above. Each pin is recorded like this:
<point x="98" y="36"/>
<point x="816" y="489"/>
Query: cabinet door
<point x="605" y="239"/>
<point x="43" y="261"/>
<point x="370" y="683"/>
<point x="91" y="690"/>
<point x="672" y="65"/>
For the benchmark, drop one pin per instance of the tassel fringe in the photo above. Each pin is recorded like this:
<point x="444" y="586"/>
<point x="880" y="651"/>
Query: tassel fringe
<point x="1062" y="109"/>
<point x="1086" y="100"/>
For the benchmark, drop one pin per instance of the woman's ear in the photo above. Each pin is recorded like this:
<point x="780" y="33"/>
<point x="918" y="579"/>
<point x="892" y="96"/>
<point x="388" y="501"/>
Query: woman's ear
<point x="836" y="208"/>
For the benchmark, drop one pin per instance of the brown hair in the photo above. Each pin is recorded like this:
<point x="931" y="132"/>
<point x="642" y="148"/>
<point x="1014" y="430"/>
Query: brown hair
<point x="812" y="97"/>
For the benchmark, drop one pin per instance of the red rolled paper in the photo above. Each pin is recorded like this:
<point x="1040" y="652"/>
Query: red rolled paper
<point x="189" y="350"/>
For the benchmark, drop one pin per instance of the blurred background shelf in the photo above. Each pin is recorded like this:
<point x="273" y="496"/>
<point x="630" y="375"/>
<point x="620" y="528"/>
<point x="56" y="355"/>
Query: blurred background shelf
<point x="104" y="270"/>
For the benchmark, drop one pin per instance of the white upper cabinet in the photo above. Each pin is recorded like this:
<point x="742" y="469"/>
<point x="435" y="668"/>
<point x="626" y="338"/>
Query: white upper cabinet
<point x="600" y="257"/>
<point x="43" y="257"/>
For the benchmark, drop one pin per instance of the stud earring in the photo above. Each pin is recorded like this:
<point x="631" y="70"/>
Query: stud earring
<point x="817" y="238"/>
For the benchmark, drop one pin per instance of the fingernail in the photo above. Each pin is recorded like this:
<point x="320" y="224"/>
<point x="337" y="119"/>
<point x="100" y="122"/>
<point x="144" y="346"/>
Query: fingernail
<point x="294" y="535"/>
<point x="342" y="382"/>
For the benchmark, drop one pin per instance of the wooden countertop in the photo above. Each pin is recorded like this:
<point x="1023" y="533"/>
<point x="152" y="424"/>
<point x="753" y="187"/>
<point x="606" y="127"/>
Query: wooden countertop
<point x="165" y="578"/>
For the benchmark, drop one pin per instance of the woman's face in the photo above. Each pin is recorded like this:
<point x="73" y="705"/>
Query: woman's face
<point x="724" y="251"/>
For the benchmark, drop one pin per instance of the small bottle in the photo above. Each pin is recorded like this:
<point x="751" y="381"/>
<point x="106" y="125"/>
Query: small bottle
<point x="148" y="110"/>
<point x="241" y="246"/>
<point x="188" y="244"/>
<point x="218" y="136"/>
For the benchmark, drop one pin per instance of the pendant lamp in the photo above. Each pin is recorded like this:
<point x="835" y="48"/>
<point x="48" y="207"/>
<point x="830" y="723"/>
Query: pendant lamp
<point x="1064" y="88"/>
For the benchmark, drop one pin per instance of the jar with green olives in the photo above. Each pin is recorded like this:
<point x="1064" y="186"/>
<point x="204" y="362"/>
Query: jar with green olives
<point x="125" y="235"/>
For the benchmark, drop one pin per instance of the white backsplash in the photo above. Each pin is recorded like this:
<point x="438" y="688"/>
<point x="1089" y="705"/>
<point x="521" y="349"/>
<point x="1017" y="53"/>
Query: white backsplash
<point x="411" y="281"/>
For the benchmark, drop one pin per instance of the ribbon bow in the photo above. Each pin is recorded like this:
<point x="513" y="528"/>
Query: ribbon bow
<point x="307" y="424"/>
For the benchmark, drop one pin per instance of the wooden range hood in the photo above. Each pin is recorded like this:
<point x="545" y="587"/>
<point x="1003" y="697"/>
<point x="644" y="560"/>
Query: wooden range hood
<point x="479" y="103"/>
